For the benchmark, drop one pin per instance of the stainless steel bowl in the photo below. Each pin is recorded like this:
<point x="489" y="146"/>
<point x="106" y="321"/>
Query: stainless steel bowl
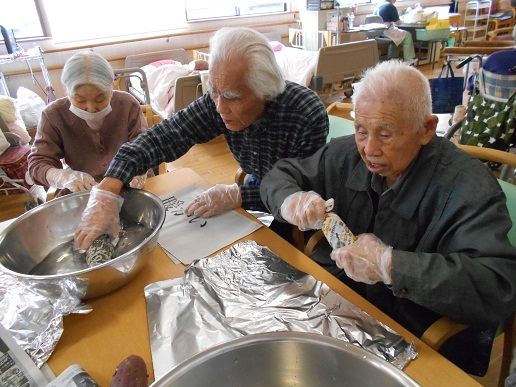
<point x="285" y="359"/>
<point x="37" y="246"/>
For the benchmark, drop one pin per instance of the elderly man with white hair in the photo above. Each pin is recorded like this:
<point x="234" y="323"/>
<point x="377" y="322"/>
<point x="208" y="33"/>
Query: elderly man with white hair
<point x="431" y="221"/>
<point x="262" y="117"/>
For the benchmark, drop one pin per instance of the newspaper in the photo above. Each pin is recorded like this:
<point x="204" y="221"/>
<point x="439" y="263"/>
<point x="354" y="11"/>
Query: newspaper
<point x="18" y="370"/>
<point x="73" y="376"/>
<point x="16" y="367"/>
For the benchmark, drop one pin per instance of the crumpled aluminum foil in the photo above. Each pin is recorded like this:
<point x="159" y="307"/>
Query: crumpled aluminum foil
<point x="32" y="311"/>
<point x="248" y="289"/>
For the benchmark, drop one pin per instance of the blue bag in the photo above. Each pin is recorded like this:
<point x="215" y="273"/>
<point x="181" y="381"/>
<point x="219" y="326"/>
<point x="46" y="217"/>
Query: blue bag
<point x="446" y="92"/>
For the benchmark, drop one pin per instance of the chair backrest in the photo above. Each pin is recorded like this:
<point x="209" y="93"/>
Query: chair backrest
<point x="489" y="154"/>
<point x="506" y="158"/>
<point x="340" y="126"/>
<point x="501" y="34"/>
<point x="444" y="328"/>
<point x="510" y="193"/>
<point x="373" y="19"/>
<point x="150" y="116"/>
<point x="341" y="109"/>
<point x="509" y="324"/>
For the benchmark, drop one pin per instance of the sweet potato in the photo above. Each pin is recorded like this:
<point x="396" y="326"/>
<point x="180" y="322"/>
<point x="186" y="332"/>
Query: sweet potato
<point x="131" y="372"/>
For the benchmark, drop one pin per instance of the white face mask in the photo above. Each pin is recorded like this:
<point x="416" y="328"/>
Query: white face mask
<point x="90" y="117"/>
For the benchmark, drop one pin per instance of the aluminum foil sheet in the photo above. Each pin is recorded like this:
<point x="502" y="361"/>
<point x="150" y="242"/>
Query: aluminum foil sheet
<point x="32" y="311"/>
<point x="247" y="289"/>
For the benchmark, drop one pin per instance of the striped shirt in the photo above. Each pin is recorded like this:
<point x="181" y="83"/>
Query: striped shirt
<point x="294" y="124"/>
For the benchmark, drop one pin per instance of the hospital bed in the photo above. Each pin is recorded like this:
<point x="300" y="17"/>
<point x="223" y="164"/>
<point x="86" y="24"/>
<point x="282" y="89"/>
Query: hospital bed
<point x="339" y="66"/>
<point x="168" y="87"/>
<point x="329" y="70"/>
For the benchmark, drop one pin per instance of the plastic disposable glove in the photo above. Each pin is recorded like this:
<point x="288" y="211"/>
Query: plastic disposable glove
<point x="101" y="216"/>
<point x="75" y="181"/>
<point x="368" y="260"/>
<point x="306" y="210"/>
<point x="138" y="181"/>
<point x="217" y="200"/>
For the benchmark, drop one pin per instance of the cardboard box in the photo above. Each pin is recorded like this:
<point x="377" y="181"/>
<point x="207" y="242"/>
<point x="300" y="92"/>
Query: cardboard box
<point x="343" y="26"/>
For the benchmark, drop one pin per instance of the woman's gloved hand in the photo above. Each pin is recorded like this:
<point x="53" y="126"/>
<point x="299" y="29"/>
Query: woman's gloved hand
<point x="75" y="181"/>
<point x="367" y="260"/>
<point x="306" y="210"/>
<point x="101" y="216"/>
<point x="217" y="200"/>
<point x="138" y="181"/>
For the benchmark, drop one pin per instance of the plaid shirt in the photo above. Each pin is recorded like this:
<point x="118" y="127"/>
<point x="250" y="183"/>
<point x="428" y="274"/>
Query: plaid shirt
<point x="295" y="124"/>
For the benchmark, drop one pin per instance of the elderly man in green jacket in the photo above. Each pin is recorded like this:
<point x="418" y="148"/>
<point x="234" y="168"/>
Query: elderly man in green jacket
<point x="431" y="221"/>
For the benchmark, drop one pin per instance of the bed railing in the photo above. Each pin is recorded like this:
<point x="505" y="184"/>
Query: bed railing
<point x="126" y="75"/>
<point x="309" y="40"/>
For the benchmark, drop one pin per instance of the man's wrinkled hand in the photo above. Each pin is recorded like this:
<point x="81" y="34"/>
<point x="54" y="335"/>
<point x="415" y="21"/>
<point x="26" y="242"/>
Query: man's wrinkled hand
<point x="217" y="200"/>
<point x="306" y="210"/>
<point x="367" y="260"/>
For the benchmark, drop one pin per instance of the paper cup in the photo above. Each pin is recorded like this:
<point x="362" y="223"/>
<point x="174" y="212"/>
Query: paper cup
<point x="459" y="113"/>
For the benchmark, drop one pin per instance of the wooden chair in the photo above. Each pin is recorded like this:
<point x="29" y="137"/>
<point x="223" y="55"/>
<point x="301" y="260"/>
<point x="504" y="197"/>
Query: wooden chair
<point x="501" y="34"/>
<point x="444" y="328"/>
<point x="341" y="119"/>
<point x="457" y="31"/>
<point x="506" y="20"/>
<point x="491" y="155"/>
<point x="153" y="118"/>
<point x="474" y="47"/>
<point x="341" y="109"/>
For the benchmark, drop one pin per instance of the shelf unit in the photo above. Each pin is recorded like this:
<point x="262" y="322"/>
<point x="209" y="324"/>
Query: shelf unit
<point x="316" y="5"/>
<point x="476" y="19"/>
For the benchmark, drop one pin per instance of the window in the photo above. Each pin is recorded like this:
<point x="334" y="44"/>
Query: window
<point x="22" y="18"/>
<point x="264" y="6"/>
<point x="205" y="9"/>
<point x="70" y="21"/>
<point x="75" y="21"/>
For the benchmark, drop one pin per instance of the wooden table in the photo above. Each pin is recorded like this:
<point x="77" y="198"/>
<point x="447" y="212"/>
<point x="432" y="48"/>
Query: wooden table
<point x="117" y="326"/>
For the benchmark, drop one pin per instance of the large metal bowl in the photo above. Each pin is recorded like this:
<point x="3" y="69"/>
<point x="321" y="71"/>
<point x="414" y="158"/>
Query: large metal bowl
<point x="285" y="359"/>
<point x="37" y="246"/>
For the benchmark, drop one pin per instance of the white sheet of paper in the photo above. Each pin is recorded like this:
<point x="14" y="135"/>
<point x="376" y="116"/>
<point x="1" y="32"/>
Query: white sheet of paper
<point x="189" y="238"/>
